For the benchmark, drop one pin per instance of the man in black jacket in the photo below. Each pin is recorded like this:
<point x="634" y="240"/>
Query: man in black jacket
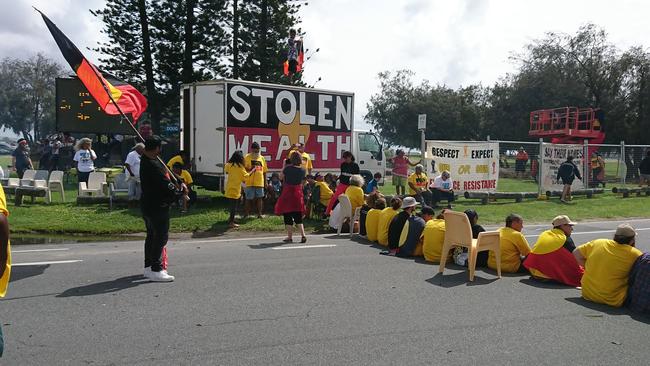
<point x="567" y="172"/>
<point x="158" y="192"/>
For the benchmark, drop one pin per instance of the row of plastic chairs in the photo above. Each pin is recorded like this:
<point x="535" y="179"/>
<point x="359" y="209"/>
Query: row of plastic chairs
<point x="458" y="233"/>
<point x="38" y="180"/>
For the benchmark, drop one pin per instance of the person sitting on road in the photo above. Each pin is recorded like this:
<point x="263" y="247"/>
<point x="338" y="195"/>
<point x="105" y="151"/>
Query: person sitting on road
<point x="442" y="188"/>
<point x="460" y="255"/>
<point x="607" y="266"/>
<point x="274" y="187"/>
<point x="567" y="172"/>
<point x="372" y="219"/>
<point x="355" y="192"/>
<point x="413" y="239"/>
<point x="514" y="246"/>
<point x="385" y="219"/>
<point x="371" y="187"/>
<point x="397" y="225"/>
<point x="370" y="203"/>
<point x="325" y="191"/>
<point x="551" y="258"/>
<point x="638" y="295"/>
<point x="434" y="238"/>
<point x="418" y="183"/>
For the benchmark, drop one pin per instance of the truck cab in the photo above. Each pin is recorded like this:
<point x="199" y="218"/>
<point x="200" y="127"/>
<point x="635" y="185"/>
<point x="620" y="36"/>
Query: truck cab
<point x="370" y="154"/>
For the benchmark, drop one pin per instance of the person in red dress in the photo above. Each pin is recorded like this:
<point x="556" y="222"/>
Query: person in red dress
<point x="291" y="203"/>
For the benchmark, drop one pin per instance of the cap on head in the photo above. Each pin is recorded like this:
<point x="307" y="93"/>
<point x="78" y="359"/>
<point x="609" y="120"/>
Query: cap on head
<point x="419" y="166"/>
<point x="152" y="143"/>
<point x="427" y="210"/>
<point x="409" y="202"/>
<point x="625" y="230"/>
<point x="562" y="220"/>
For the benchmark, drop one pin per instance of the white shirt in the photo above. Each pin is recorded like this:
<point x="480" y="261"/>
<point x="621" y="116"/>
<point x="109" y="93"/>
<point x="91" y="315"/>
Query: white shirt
<point x="133" y="159"/>
<point x="444" y="184"/>
<point x="84" y="159"/>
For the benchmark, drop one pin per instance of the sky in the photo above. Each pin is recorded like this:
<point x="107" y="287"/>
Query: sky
<point x="451" y="42"/>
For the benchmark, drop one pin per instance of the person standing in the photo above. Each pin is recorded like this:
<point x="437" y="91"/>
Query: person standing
<point x="520" y="162"/>
<point x="291" y="202"/>
<point x="400" y="171"/>
<point x="158" y="193"/>
<point x="132" y="165"/>
<point x="20" y="160"/>
<point x="348" y="168"/>
<point x="85" y="159"/>
<point x="5" y="254"/>
<point x="56" y="154"/>
<point x="597" y="165"/>
<point x="644" y="170"/>
<point x="607" y="266"/>
<point x="567" y="172"/>
<point x="237" y="174"/>
<point x="293" y="45"/>
<point x="256" y="182"/>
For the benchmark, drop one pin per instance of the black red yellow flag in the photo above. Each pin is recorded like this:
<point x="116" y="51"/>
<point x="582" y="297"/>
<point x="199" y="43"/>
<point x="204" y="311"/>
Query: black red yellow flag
<point x="126" y="97"/>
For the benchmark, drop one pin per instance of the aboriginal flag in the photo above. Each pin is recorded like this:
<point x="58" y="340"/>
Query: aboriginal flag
<point x="300" y="59"/>
<point x="126" y="97"/>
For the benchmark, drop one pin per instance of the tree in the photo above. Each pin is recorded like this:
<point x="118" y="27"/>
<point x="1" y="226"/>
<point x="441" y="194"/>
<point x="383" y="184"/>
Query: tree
<point x="27" y="95"/>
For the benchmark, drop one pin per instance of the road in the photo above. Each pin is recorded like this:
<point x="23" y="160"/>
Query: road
<point x="332" y="302"/>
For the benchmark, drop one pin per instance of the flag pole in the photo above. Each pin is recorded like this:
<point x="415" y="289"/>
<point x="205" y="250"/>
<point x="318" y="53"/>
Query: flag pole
<point x="124" y="116"/>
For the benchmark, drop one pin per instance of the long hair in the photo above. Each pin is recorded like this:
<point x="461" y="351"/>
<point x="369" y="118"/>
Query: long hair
<point x="237" y="158"/>
<point x="83" y="141"/>
<point x="295" y="159"/>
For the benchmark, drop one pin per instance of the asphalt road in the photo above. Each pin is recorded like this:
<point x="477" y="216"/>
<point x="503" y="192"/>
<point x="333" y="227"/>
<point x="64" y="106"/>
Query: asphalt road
<point x="332" y="302"/>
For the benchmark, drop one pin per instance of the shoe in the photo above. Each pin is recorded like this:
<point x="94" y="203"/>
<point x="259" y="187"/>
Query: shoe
<point x="287" y="240"/>
<point x="232" y="225"/>
<point x="161" y="276"/>
<point x="303" y="240"/>
<point x="147" y="271"/>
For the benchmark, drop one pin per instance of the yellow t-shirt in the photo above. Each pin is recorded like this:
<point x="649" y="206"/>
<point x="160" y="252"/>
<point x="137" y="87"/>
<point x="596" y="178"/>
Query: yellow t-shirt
<point x="356" y="196"/>
<point x="325" y="193"/>
<point x="4" y="280"/>
<point x="513" y="245"/>
<point x="257" y="179"/>
<point x="236" y="176"/>
<point x="174" y="160"/>
<point x="385" y="218"/>
<point x="607" y="269"/>
<point x="186" y="177"/>
<point x="372" y="224"/>
<point x="434" y="238"/>
<point x="419" y="181"/>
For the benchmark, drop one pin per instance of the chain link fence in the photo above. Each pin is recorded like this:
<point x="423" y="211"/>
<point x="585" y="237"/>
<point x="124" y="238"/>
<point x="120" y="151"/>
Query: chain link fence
<point x="518" y="166"/>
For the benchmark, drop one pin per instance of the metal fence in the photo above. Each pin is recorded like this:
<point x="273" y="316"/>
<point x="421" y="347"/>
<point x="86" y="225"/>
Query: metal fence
<point x="620" y="161"/>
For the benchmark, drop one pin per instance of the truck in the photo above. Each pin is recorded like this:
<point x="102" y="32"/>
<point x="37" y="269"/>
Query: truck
<point x="219" y="117"/>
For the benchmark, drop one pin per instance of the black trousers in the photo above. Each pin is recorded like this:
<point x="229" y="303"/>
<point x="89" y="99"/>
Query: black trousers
<point x="439" y="195"/>
<point x="157" y="224"/>
<point x="232" y="208"/>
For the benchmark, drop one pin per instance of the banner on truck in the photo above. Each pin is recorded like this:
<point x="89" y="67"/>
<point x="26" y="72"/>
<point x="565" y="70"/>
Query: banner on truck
<point x="553" y="156"/>
<point x="277" y="118"/>
<point x="474" y="166"/>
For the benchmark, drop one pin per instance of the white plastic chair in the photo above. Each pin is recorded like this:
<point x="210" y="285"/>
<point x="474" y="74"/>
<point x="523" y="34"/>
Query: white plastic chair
<point x="120" y="184"/>
<point x="56" y="183"/>
<point x="28" y="178"/>
<point x="346" y="213"/>
<point x="96" y="186"/>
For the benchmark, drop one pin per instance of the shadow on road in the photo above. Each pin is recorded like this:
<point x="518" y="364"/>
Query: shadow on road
<point x="105" y="287"/>
<point x="544" y="284"/>
<point x="608" y="309"/>
<point x="458" y="279"/>
<point x="22" y="272"/>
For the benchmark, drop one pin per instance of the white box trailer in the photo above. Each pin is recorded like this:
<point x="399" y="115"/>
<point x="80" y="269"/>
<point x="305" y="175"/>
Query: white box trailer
<point x="221" y="116"/>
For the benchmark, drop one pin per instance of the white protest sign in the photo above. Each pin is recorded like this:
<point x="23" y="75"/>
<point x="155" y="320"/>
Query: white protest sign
<point x="552" y="157"/>
<point x="474" y="166"/>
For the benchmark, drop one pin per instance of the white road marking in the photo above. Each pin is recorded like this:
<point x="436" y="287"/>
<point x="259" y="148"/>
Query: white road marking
<point x="305" y="247"/>
<point x="252" y="238"/>
<point x="39" y="250"/>
<point x="44" y="263"/>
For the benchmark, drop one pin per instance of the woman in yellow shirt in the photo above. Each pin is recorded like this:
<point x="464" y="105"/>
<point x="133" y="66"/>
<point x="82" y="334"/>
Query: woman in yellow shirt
<point x="236" y="176"/>
<point x="355" y="192"/>
<point x="372" y="219"/>
<point x="385" y="217"/>
<point x="325" y="191"/>
<point x="434" y="238"/>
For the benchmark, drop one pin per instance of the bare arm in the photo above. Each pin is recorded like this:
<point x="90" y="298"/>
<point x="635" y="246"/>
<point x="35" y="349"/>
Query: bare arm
<point x="4" y="243"/>
<point x="579" y="257"/>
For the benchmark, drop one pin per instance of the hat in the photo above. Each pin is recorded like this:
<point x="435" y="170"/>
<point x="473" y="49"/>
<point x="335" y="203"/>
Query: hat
<point x="409" y="202"/>
<point x="625" y="230"/>
<point x="562" y="220"/>
<point x="419" y="166"/>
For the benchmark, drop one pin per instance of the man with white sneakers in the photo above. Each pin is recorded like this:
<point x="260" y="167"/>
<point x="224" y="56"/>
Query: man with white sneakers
<point x="158" y="193"/>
